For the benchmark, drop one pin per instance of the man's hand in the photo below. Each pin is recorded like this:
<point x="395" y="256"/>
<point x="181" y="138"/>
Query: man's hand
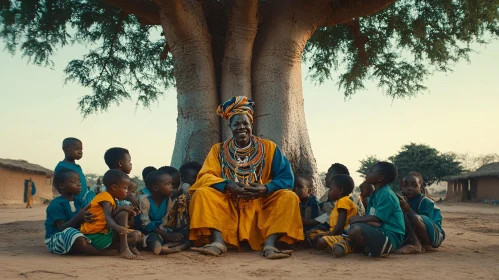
<point x="254" y="191"/>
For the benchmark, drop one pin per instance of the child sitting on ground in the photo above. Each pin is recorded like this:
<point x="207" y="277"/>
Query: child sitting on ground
<point x="154" y="208"/>
<point x="110" y="224"/>
<point x="73" y="151"/>
<point x="65" y="214"/>
<point x="340" y="188"/>
<point x="145" y="172"/>
<point x="424" y="217"/>
<point x="309" y="204"/>
<point x="326" y="206"/>
<point x="382" y="229"/>
<point x="175" y="174"/>
<point x="120" y="159"/>
<point x="188" y="175"/>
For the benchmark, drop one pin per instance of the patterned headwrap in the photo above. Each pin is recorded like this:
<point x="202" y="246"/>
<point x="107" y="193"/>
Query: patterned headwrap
<point x="239" y="105"/>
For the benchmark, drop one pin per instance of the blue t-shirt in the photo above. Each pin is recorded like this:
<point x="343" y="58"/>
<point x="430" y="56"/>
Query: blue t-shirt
<point x="384" y="204"/>
<point x="60" y="209"/>
<point x="77" y="168"/>
<point x="422" y="205"/>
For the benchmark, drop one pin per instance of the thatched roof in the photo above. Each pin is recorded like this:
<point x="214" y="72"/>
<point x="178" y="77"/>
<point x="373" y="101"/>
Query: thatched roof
<point x="24" y="166"/>
<point x="489" y="170"/>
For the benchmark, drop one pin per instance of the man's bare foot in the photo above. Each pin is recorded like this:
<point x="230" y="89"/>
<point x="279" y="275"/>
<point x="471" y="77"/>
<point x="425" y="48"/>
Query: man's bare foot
<point x="272" y="253"/>
<point x="213" y="249"/>
<point x="127" y="254"/>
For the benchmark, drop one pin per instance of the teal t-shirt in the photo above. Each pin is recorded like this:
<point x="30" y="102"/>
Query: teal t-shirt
<point x="422" y="205"/>
<point x="60" y="209"/>
<point x="384" y="204"/>
<point x="77" y="168"/>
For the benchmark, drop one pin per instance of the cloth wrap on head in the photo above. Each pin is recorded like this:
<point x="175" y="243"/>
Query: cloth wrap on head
<point x="239" y="105"/>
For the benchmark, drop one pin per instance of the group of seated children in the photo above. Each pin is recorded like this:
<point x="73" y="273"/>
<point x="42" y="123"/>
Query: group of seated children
<point x="118" y="217"/>
<point x="411" y="223"/>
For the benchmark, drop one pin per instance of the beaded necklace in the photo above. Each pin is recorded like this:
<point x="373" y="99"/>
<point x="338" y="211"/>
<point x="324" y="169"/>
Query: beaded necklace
<point x="243" y="165"/>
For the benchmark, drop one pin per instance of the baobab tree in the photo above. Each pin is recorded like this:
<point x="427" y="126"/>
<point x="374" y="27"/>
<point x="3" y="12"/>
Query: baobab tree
<point x="211" y="50"/>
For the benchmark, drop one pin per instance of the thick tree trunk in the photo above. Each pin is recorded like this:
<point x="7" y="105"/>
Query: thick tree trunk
<point x="186" y="32"/>
<point x="236" y="64"/>
<point x="277" y="89"/>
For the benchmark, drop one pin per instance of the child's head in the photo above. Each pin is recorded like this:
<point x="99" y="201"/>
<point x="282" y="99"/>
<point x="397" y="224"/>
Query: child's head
<point x="67" y="182"/>
<point x="159" y="182"/>
<point x="411" y="185"/>
<point x="174" y="173"/>
<point x="118" y="158"/>
<point x="366" y="189"/>
<point x="421" y="180"/>
<point x="116" y="182"/>
<point x="303" y="186"/>
<point x="73" y="148"/>
<point x="189" y="172"/>
<point x="336" y="169"/>
<point x="132" y="189"/>
<point x="340" y="186"/>
<point x="147" y="170"/>
<point x="382" y="173"/>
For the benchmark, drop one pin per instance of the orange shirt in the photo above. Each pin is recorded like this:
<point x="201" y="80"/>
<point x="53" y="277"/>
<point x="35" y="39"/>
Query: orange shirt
<point x="342" y="203"/>
<point x="100" y="224"/>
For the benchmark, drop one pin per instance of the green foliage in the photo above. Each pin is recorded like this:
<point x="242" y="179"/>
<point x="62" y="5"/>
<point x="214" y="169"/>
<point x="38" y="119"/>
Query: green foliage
<point x="366" y="165"/>
<point x="404" y="44"/>
<point x="123" y="57"/>
<point x="396" y="48"/>
<point x="432" y="164"/>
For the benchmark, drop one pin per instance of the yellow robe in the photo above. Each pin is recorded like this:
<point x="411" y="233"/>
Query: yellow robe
<point x="279" y="212"/>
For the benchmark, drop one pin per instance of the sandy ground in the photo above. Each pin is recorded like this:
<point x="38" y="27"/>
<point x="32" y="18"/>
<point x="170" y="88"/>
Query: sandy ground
<point x="469" y="252"/>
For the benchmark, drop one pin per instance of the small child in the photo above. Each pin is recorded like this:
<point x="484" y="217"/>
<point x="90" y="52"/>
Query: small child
<point x="188" y="175"/>
<point x="131" y="192"/>
<point x="175" y="174"/>
<point x="423" y="215"/>
<point x="309" y="204"/>
<point x="29" y="192"/>
<point x="65" y="214"/>
<point x="154" y="209"/>
<point x="120" y="159"/>
<point x="73" y="151"/>
<point x="110" y="222"/>
<point x="340" y="188"/>
<point x="145" y="172"/>
<point x="327" y="205"/>
<point x="383" y="228"/>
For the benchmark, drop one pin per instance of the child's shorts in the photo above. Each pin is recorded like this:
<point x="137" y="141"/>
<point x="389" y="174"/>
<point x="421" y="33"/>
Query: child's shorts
<point x="101" y="240"/>
<point x="377" y="243"/>
<point x="436" y="235"/>
<point x="61" y="242"/>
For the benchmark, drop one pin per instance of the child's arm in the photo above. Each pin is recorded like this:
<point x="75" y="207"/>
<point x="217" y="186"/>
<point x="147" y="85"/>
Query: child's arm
<point x="76" y="221"/>
<point x="127" y="208"/>
<point x="168" y="237"/>
<point x="108" y="213"/>
<point x="340" y="225"/>
<point x="365" y="219"/>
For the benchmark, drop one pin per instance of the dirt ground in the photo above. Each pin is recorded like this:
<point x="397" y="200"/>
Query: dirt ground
<point x="469" y="252"/>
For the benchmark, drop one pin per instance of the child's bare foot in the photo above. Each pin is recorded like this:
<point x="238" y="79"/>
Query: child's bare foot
<point x="134" y="251"/>
<point x="165" y="250"/>
<point x="155" y="247"/>
<point x="109" y="252"/>
<point x="181" y="247"/>
<point x="127" y="254"/>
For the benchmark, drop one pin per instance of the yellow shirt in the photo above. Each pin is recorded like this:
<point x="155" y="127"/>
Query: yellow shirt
<point x="100" y="224"/>
<point x="342" y="203"/>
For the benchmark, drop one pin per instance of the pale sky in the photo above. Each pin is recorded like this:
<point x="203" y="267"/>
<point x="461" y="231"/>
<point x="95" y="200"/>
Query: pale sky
<point x="460" y="113"/>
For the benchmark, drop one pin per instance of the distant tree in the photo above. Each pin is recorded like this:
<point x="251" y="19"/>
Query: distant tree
<point x="366" y="165"/>
<point x="471" y="163"/>
<point x="432" y="164"/>
<point x="92" y="178"/>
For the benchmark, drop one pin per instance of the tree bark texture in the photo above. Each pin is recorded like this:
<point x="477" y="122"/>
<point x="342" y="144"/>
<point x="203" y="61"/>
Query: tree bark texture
<point x="256" y="52"/>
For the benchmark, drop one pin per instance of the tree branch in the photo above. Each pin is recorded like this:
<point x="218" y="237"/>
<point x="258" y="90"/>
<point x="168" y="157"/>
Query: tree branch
<point x="146" y="11"/>
<point x="345" y="10"/>
<point x="359" y="39"/>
